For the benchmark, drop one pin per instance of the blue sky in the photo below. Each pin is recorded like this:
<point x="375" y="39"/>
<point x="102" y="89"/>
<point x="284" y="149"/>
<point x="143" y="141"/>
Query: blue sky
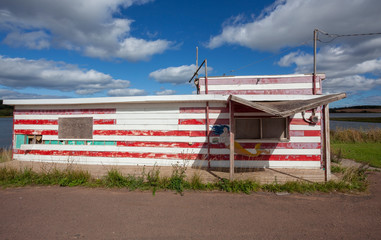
<point x="81" y="48"/>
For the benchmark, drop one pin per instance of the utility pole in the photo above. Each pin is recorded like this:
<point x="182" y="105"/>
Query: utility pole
<point x="314" y="73"/>
<point x="196" y="60"/>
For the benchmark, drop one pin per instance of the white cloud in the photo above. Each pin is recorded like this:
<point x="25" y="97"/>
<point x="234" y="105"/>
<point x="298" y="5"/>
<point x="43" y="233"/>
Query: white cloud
<point x="22" y="73"/>
<point x="34" y="40"/>
<point x="127" y="92"/>
<point x="291" y="22"/>
<point x="91" y="27"/>
<point x="352" y="83"/>
<point x="348" y="68"/>
<point x="351" y="63"/>
<point x="176" y="75"/>
<point x="166" y="92"/>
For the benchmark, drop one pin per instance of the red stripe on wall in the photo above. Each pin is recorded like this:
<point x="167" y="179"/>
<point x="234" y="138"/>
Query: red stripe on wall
<point x="104" y="121"/>
<point x="149" y="133"/>
<point x="112" y="154"/>
<point x="161" y="144"/>
<point x="299" y="121"/>
<point x="203" y="121"/>
<point x="37" y="122"/>
<point x="306" y="91"/>
<point x="283" y="145"/>
<point x="35" y="132"/>
<point x="257" y="81"/>
<point x="220" y="145"/>
<point x="186" y="156"/>
<point x="305" y="133"/>
<point x="65" y="111"/>
<point x="55" y="122"/>
<point x="202" y="110"/>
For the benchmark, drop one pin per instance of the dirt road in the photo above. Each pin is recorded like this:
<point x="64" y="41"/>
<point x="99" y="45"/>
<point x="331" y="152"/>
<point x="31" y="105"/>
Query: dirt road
<point x="82" y="213"/>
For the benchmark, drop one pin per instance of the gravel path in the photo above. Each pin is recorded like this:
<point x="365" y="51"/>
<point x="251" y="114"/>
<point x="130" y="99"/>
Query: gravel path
<point x="85" y="213"/>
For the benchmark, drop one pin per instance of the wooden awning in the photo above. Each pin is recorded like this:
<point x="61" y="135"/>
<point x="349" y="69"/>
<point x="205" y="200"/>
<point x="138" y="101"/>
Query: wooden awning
<point x="288" y="108"/>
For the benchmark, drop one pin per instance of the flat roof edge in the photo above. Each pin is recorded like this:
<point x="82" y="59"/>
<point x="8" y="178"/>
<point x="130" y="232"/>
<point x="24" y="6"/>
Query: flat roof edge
<point x="322" y="75"/>
<point x="155" y="99"/>
<point x="105" y="100"/>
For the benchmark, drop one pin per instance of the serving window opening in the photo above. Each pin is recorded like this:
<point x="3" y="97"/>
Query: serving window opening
<point x="262" y="128"/>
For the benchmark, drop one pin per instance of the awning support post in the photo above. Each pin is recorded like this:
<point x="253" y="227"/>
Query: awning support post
<point x="327" y="144"/>
<point x="232" y="130"/>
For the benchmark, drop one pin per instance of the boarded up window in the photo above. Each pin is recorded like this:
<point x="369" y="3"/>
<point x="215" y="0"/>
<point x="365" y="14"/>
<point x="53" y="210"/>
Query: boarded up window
<point x="75" y="128"/>
<point x="261" y="128"/>
<point x="274" y="128"/>
<point x="248" y="128"/>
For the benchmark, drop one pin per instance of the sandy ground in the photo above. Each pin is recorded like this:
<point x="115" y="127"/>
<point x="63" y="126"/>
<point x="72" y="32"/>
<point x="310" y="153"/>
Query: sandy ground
<point x="84" y="213"/>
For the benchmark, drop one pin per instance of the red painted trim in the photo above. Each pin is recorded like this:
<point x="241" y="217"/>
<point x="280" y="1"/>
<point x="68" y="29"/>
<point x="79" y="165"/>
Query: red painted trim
<point x="65" y="111"/>
<point x="186" y="156"/>
<point x="13" y="133"/>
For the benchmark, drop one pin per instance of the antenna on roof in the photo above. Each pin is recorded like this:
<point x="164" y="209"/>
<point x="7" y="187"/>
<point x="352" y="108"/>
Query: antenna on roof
<point x="198" y="69"/>
<point x="196" y="81"/>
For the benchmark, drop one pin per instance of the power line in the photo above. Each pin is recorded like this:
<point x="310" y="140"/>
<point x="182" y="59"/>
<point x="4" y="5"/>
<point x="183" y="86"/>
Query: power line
<point x="332" y="35"/>
<point x="335" y="35"/>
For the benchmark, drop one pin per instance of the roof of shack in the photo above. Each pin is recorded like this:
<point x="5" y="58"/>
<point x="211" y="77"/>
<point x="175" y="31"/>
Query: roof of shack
<point x="156" y="99"/>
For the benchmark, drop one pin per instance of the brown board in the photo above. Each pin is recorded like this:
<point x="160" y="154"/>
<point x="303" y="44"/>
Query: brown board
<point x="75" y="128"/>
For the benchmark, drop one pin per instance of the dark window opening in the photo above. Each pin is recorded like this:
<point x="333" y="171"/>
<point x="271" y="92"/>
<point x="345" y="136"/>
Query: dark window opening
<point x="34" y="139"/>
<point x="261" y="128"/>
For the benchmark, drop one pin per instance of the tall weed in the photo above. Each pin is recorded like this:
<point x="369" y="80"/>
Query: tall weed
<point x="6" y="155"/>
<point x="351" y="135"/>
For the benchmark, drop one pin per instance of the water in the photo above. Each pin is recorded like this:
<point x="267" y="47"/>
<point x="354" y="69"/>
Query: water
<point x="357" y="115"/>
<point x="6" y="126"/>
<point x="357" y="125"/>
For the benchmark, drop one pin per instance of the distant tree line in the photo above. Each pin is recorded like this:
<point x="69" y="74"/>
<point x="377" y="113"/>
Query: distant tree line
<point x="334" y="110"/>
<point x="5" y="111"/>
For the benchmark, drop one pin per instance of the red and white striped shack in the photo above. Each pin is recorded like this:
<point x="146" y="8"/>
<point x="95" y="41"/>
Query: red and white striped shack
<point x="235" y="121"/>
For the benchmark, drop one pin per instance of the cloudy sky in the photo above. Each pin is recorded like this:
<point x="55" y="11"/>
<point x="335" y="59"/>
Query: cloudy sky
<point x="81" y="48"/>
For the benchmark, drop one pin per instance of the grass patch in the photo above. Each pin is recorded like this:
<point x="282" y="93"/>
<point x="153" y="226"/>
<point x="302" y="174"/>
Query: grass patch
<point x="13" y="177"/>
<point x="369" y="153"/>
<point x="354" y="180"/>
<point x="357" y="144"/>
<point x="359" y="119"/>
<point x="337" y="169"/>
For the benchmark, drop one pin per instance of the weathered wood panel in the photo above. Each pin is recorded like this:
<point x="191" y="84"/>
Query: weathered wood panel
<point x="298" y="84"/>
